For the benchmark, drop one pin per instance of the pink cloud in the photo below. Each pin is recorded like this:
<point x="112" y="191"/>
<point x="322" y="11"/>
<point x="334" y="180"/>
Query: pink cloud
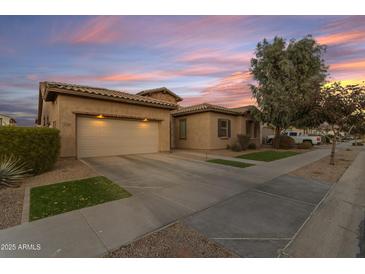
<point x="342" y="37"/>
<point x="230" y="91"/>
<point x="350" y="65"/>
<point x="163" y="75"/>
<point x="216" y="56"/>
<point x="97" y="30"/>
<point x="157" y="75"/>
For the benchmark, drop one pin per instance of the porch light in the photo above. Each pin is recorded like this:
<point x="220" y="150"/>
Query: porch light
<point x="100" y="116"/>
<point x="145" y="120"/>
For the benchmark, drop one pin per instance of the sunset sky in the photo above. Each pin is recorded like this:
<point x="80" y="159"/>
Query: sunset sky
<point x="201" y="58"/>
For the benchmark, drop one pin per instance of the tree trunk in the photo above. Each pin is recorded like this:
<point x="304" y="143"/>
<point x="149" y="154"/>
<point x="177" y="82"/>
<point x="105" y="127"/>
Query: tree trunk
<point x="333" y="150"/>
<point x="276" y="141"/>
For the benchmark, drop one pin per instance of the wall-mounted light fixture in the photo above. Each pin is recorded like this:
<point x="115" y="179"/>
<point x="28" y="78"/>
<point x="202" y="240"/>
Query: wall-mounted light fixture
<point x="100" y="116"/>
<point x="145" y="120"/>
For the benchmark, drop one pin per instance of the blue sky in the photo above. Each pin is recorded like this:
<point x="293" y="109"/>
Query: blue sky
<point x="201" y="58"/>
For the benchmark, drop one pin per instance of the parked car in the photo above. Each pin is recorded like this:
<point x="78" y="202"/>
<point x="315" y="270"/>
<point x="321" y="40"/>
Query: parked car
<point x="298" y="137"/>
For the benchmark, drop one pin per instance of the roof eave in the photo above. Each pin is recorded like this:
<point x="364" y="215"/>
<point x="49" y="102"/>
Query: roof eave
<point x="205" y="110"/>
<point x="54" y="91"/>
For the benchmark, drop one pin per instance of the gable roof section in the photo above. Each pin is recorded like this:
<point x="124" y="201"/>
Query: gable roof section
<point x="163" y="90"/>
<point x="244" y="109"/>
<point x="49" y="90"/>
<point x="205" y="107"/>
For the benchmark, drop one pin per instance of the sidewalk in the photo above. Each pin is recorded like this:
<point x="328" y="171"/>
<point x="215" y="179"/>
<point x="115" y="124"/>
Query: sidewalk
<point x="334" y="228"/>
<point x="93" y="231"/>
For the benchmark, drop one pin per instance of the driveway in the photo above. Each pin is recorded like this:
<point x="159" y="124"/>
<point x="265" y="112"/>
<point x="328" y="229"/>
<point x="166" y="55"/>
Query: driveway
<point x="238" y="208"/>
<point x="182" y="183"/>
<point x="262" y="220"/>
<point x="167" y="187"/>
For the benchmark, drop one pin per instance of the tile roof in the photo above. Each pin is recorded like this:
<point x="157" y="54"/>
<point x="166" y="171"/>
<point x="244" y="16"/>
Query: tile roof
<point x="102" y="93"/>
<point x="207" y="107"/>
<point x="162" y="89"/>
<point x="244" y="108"/>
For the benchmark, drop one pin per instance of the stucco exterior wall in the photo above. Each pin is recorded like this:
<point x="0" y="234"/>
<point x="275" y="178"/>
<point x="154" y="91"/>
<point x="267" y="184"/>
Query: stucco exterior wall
<point x="197" y="131"/>
<point x="202" y="131"/>
<point x="70" y="104"/>
<point x="222" y="142"/>
<point x="50" y="114"/>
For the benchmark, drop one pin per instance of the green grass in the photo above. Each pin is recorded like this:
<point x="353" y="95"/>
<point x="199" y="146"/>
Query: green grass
<point x="267" y="156"/>
<point x="62" y="197"/>
<point x="229" y="163"/>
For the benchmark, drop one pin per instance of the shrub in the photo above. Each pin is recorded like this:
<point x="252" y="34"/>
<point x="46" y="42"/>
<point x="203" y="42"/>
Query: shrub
<point x="37" y="147"/>
<point x="357" y="144"/>
<point x="243" y="140"/>
<point x="304" y="145"/>
<point x="12" y="170"/>
<point x="236" y="147"/>
<point x="285" y="142"/>
<point x="228" y="146"/>
<point x="251" y="146"/>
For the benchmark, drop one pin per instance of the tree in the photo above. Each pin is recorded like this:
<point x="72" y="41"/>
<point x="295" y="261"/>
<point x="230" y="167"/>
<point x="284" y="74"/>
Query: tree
<point x="342" y="107"/>
<point x="288" y="77"/>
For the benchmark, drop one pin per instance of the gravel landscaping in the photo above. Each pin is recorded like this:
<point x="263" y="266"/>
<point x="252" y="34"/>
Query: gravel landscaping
<point x="321" y="170"/>
<point x="11" y="199"/>
<point x="11" y="206"/>
<point x="174" y="241"/>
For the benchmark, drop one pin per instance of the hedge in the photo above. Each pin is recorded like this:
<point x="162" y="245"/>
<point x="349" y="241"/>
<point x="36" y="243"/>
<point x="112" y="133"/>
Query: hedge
<point x="243" y="140"/>
<point x="38" y="147"/>
<point x="285" y="142"/>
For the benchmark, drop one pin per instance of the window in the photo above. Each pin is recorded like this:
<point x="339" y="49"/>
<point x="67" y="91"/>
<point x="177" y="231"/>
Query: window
<point x="293" y="134"/>
<point x="224" y="128"/>
<point x="252" y="129"/>
<point x="249" y="128"/>
<point x="256" y="132"/>
<point x="182" y="128"/>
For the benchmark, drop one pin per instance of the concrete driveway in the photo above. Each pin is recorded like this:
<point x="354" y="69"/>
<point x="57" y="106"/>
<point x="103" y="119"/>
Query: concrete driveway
<point x="262" y="220"/>
<point x="183" y="183"/>
<point x="238" y="208"/>
<point x="222" y="202"/>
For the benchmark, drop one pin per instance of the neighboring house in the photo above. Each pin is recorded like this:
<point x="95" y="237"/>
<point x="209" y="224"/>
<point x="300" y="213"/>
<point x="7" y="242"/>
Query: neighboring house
<point x="102" y="122"/>
<point x="6" y="120"/>
<point x="267" y="130"/>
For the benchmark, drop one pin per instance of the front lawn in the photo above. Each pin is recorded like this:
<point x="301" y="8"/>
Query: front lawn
<point x="268" y="155"/>
<point x="62" y="197"/>
<point x="229" y="163"/>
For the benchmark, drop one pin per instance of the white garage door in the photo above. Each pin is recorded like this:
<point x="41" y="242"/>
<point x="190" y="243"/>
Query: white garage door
<point x="106" y="137"/>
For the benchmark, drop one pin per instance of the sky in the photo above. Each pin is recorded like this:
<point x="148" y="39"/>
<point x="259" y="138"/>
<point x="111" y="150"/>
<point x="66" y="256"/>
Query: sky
<point x="201" y="58"/>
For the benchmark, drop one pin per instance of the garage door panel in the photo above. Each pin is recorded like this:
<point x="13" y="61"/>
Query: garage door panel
<point x="105" y="137"/>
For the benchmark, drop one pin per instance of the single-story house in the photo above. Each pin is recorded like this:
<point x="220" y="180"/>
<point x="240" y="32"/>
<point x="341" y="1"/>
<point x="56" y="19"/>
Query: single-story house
<point x="207" y="126"/>
<point x="6" y="120"/>
<point x="103" y="122"/>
